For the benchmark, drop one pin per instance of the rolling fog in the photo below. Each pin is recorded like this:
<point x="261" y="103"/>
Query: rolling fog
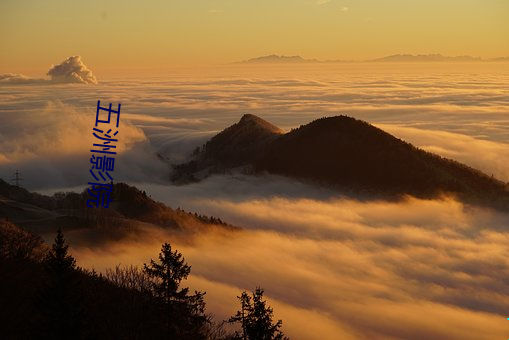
<point x="330" y="265"/>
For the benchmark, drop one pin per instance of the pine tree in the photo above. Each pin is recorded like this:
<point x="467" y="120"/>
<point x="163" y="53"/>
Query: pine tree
<point x="184" y="313"/>
<point x="61" y="299"/>
<point x="58" y="260"/>
<point x="255" y="317"/>
<point x="241" y="316"/>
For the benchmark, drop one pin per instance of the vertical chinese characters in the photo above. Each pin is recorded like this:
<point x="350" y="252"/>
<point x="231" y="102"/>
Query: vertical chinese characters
<point x="102" y="162"/>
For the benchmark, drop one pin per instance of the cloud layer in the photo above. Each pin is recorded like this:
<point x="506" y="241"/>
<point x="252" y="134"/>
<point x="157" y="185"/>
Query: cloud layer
<point x="340" y="268"/>
<point x="420" y="269"/>
<point x="52" y="145"/>
<point x="459" y="113"/>
<point x="18" y="79"/>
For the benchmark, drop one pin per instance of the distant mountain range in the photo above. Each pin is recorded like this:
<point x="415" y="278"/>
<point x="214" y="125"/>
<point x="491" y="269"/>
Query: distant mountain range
<point x="277" y="59"/>
<point x="344" y="153"/>
<point x="426" y="58"/>
<point x="280" y="59"/>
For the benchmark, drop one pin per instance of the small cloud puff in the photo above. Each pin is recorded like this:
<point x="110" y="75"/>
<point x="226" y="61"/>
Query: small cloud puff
<point x="72" y="70"/>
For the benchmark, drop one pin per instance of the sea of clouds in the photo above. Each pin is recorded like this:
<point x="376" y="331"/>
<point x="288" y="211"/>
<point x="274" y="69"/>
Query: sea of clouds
<point x="331" y="266"/>
<point x="459" y="112"/>
<point x="343" y="269"/>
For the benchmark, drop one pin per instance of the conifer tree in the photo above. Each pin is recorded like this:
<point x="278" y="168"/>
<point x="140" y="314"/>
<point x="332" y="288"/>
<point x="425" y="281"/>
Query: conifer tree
<point x="255" y="318"/>
<point x="58" y="260"/>
<point x="61" y="300"/>
<point x="185" y="316"/>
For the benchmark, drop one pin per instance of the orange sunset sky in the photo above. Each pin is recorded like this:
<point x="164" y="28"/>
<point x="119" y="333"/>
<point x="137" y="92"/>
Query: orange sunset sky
<point x="135" y="35"/>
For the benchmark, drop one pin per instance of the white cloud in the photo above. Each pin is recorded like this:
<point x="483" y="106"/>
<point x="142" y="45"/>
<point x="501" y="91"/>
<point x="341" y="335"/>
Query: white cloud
<point x="72" y="70"/>
<point x="490" y="157"/>
<point x="52" y="145"/>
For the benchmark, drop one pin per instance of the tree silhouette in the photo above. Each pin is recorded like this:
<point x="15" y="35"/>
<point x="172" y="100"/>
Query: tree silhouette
<point x="185" y="316"/>
<point x="255" y="317"/>
<point x="61" y="300"/>
<point x="58" y="260"/>
<point x="48" y="296"/>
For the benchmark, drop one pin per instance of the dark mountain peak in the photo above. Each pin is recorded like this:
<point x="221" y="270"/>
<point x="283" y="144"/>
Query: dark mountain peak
<point x="239" y="143"/>
<point x="330" y="134"/>
<point x="341" y="122"/>
<point x="249" y="130"/>
<point x="250" y="121"/>
<point x="353" y="154"/>
<point x="346" y="153"/>
<point x="249" y="118"/>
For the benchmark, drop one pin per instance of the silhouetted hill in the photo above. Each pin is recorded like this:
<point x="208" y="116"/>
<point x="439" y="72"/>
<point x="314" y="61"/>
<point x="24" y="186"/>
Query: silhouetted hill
<point x="116" y="306"/>
<point x="130" y="206"/>
<point x="359" y="158"/>
<point x="22" y="195"/>
<point x="235" y="146"/>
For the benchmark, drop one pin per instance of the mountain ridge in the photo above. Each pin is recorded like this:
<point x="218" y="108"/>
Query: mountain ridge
<point x="232" y="147"/>
<point x="424" y="58"/>
<point x="351" y="155"/>
<point x="129" y="209"/>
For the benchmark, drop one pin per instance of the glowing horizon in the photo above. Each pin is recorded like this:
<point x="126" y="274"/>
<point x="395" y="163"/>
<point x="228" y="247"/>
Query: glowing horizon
<point x="131" y="36"/>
